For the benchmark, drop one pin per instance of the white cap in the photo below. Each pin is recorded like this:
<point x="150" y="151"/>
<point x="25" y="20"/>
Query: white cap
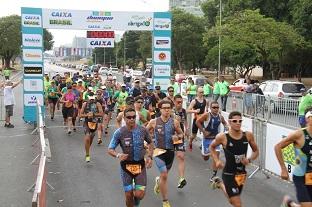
<point x="90" y="88"/>
<point x="103" y="87"/>
<point x="91" y="97"/>
<point x="308" y="114"/>
<point x="123" y="85"/>
<point x="114" y="77"/>
<point x="79" y="80"/>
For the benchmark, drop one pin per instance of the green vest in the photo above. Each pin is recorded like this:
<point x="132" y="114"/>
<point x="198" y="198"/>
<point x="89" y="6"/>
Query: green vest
<point x="216" y="88"/>
<point x="175" y="88"/>
<point x="223" y="88"/>
<point x="7" y="72"/>
<point x="144" y="113"/>
<point x="207" y="89"/>
<point x="192" y="89"/>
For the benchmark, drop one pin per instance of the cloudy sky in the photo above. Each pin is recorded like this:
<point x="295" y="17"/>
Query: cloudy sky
<point x="9" y="7"/>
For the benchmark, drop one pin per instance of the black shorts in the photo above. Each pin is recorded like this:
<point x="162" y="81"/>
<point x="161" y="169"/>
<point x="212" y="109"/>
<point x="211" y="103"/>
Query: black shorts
<point x="231" y="186"/>
<point x="303" y="192"/>
<point x="194" y="127"/>
<point x="68" y="112"/>
<point x="89" y="131"/>
<point x="52" y="100"/>
<point x="80" y="104"/>
<point x="9" y="110"/>
<point x="164" y="161"/>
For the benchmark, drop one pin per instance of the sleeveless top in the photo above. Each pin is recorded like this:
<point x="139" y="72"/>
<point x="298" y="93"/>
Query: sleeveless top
<point x="182" y="115"/>
<point x="91" y="108"/>
<point x="303" y="156"/>
<point x="163" y="133"/>
<point x="213" y="125"/>
<point x="234" y="151"/>
<point x="200" y="106"/>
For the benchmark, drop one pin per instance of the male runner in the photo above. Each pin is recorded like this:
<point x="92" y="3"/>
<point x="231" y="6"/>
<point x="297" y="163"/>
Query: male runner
<point x="213" y="119"/>
<point x="131" y="139"/>
<point x="180" y="115"/>
<point x="91" y="110"/>
<point x="198" y="106"/>
<point x="53" y="98"/>
<point x="302" y="173"/>
<point x="235" y="144"/>
<point x="166" y="130"/>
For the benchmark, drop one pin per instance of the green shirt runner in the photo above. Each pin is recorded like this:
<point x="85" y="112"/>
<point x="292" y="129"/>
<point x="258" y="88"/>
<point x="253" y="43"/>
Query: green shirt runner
<point x="224" y="88"/>
<point x="305" y="102"/>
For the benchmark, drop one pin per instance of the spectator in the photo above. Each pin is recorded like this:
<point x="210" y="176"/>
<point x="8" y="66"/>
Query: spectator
<point x="9" y="101"/>
<point x="136" y="91"/>
<point x="175" y="86"/>
<point x="305" y="102"/>
<point x="207" y="89"/>
<point x="216" y="89"/>
<point x="248" y="89"/>
<point x="224" y="91"/>
<point x="7" y="73"/>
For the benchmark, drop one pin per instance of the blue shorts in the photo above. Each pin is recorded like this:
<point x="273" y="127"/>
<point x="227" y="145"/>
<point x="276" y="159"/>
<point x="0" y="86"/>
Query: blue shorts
<point x="205" y="146"/>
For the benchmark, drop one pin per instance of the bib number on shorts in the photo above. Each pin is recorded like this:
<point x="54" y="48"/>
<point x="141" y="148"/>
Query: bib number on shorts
<point x="92" y="125"/>
<point x="177" y="141"/>
<point x="240" y="179"/>
<point x="135" y="169"/>
<point x="308" y="178"/>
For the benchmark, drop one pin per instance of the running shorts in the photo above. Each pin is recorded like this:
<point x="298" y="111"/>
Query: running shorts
<point x="231" y="186"/>
<point x="304" y="192"/>
<point x="164" y="161"/>
<point x="128" y="178"/>
<point x="205" y="146"/>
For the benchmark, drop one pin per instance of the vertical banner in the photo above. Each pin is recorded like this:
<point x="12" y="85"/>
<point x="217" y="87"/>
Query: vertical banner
<point x="32" y="61"/>
<point x="162" y="49"/>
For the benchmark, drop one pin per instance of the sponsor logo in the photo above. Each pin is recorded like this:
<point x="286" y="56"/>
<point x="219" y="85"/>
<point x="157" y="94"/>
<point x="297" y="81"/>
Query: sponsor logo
<point x="32" y="55"/>
<point x="101" y="43"/>
<point x="140" y="21"/>
<point x="32" y="40"/>
<point x="61" y="14"/>
<point x="94" y="27"/>
<point x="30" y="20"/>
<point x="60" y="22"/>
<point x="100" y="16"/>
<point x="33" y="100"/>
<point x="162" y="42"/>
<point x="162" y="70"/>
<point x="162" y="56"/>
<point x="162" y="24"/>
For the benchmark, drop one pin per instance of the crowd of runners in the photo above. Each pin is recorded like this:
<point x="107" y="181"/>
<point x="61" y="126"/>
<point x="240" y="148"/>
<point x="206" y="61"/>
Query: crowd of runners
<point x="152" y="125"/>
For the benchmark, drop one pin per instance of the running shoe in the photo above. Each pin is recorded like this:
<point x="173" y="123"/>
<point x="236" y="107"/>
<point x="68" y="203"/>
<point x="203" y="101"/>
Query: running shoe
<point x="286" y="201"/>
<point x="182" y="183"/>
<point x="99" y="141"/>
<point x="10" y="125"/>
<point x="136" y="202"/>
<point x="166" y="204"/>
<point x="216" y="182"/>
<point x="156" y="187"/>
<point x="74" y="129"/>
<point x="88" y="158"/>
<point x="69" y="132"/>
<point x="212" y="177"/>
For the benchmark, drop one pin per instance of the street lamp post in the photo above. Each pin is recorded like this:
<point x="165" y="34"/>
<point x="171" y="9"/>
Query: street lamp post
<point x="116" y="53"/>
<point x="104" y="58"/>
<point x="219" y="61"/>
<point x="95" y="58"/>
<point x="124" y="65"/>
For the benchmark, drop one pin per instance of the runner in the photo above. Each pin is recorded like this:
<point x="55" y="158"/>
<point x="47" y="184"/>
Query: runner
<point x="166" y="129"/>
<point x="180" y="114"/>
<point x="100" y="100"/>
<point x="210" y="131"/>
<point x="131" y="139"/>
<point x="302" y="141"/>
<point x="91" y="110"/>
<point x="120" y="122"/>
<point x="198" y="106"/>
<point x="120" y="98"/>
<point x="68" y="100"/>
<point x="52" y="98"/>
<point x="170" y="96"/>
<point x="141" y="112"/>
<point x="235" y="145"/>
<point x="76" y="108"/>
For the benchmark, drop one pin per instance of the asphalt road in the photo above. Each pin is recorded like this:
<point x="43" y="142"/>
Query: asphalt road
<point x="98" y="184"/>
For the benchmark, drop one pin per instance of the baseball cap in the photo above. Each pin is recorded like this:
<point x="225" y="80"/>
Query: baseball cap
<point x="91" y="97"/>
<point x="79" y="80"/>
<point x="123" y="85"/>
<point x="157" y="87"/>
<point x="90" y="88"/>
<point x="302" y="89"/>
<point x="136" y="80"/>
<point x="103" y="87"/>
<point x="150" y="88"/>
<point x="114" y="78"/>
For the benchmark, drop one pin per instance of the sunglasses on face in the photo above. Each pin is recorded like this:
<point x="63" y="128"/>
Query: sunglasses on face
<point x="131" y="117"/>
<point x="165" y="108"/>
<point x="236" y="121"/>
<point x="215" y="107"/>
<point x="157" y="89"/>
<point x="171" y="91"/>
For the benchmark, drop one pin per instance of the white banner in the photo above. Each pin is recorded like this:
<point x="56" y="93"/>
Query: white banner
<point x="162" y="42"/>
<point x="32" y="55"/>
<point x="31" y="20"/>
<point x="162" y="70"/>
<point x="32" y="40"/>
<point x="162" y="24"/>
<point x="97" y="20"/>
<point x="100" y="42"/>
<point x="33" y="85"/>
<point x="274" y="135"/>
<point x="31" y="99"/>
<point x="163" y="83"/>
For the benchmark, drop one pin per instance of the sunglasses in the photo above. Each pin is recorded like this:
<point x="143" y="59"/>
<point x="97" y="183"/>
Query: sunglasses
<point x="215" y="107"/>
<point x="171" y="91"/>
<point x="131" y="117"/>
<point x="236" y="120"/>
<point x="166" y="108"/>
<point x="200" y="91"/>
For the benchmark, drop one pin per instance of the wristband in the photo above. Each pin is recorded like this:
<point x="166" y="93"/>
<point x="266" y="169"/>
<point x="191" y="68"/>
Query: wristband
<point x="118" y="155"/>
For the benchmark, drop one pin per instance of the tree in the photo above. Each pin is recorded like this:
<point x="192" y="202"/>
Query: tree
<point x="187" y="35"/>
<point x="47" y="40"/>
<point x="145" y="46"/>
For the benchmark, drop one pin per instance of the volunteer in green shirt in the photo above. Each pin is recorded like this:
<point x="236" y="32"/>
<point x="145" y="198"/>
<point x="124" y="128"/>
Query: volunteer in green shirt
<point x="216" y="89"/>
<point x="207" y="89"/>
<point x="175" y="86"/>
<point x="224" y="90"/>
<point x="53" y="97"/>
<point x="120" y="98"/>
<point x="7" y="73"/>
<point x="144" y="116"/>
<point x="192" y="88"/>
<point x="305" y="102"/>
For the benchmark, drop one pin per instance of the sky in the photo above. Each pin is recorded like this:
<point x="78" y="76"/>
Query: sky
<point x="61" y="37"/>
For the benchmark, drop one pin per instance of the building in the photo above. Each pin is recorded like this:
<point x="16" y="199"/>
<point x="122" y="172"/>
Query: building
<point x="191" y="6"/>
<point x="77" y="48"/>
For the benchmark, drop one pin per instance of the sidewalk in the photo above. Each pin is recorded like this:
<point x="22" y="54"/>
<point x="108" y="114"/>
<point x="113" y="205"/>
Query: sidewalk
<point x="16" y="154"/>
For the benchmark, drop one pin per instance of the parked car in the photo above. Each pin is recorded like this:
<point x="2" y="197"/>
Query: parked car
<point x="283" y="95"/>
<point x="199" y="80"/>
<point x="104" y="70"/>
<point x="114" y="70"/>
<point x="310" y="91"/>
<point x="239" y="85"/>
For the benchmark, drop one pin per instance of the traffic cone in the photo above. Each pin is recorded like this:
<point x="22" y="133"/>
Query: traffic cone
<point x="234" y="103"/>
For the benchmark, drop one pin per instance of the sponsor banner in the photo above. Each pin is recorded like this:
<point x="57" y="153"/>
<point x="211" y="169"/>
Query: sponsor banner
<point x="100" y="34"/>
<point x="32" y="40"/>
<point x="32" y="55"/>
<point x="162" y="42"/>
<point x="31" y="20"/>
<point x="162" y="82"/>
<point x="32" y="70"/>
<point x="162" y="24"/>
<point x="162" y="56"/>
<point x="31" y="99"/>
<point x="97" y="20"/>
<point x="162" y="70"/>
<point x="33" y="85"/>
<point x="100" y="42"/>
<point x="274" y="135"/>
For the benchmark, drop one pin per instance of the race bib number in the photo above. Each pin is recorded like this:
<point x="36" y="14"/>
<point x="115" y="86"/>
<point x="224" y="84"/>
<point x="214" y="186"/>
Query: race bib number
<point x="308" y="178"/>
<point x="135" y="169"/>
<point x="158" y="151"/>
<point x="52" y="94"/>
<point x="240" y="179"/>
<point x="177" y="140"/>
<point x="92" y="125"/>
<point x="68" y="104"/>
